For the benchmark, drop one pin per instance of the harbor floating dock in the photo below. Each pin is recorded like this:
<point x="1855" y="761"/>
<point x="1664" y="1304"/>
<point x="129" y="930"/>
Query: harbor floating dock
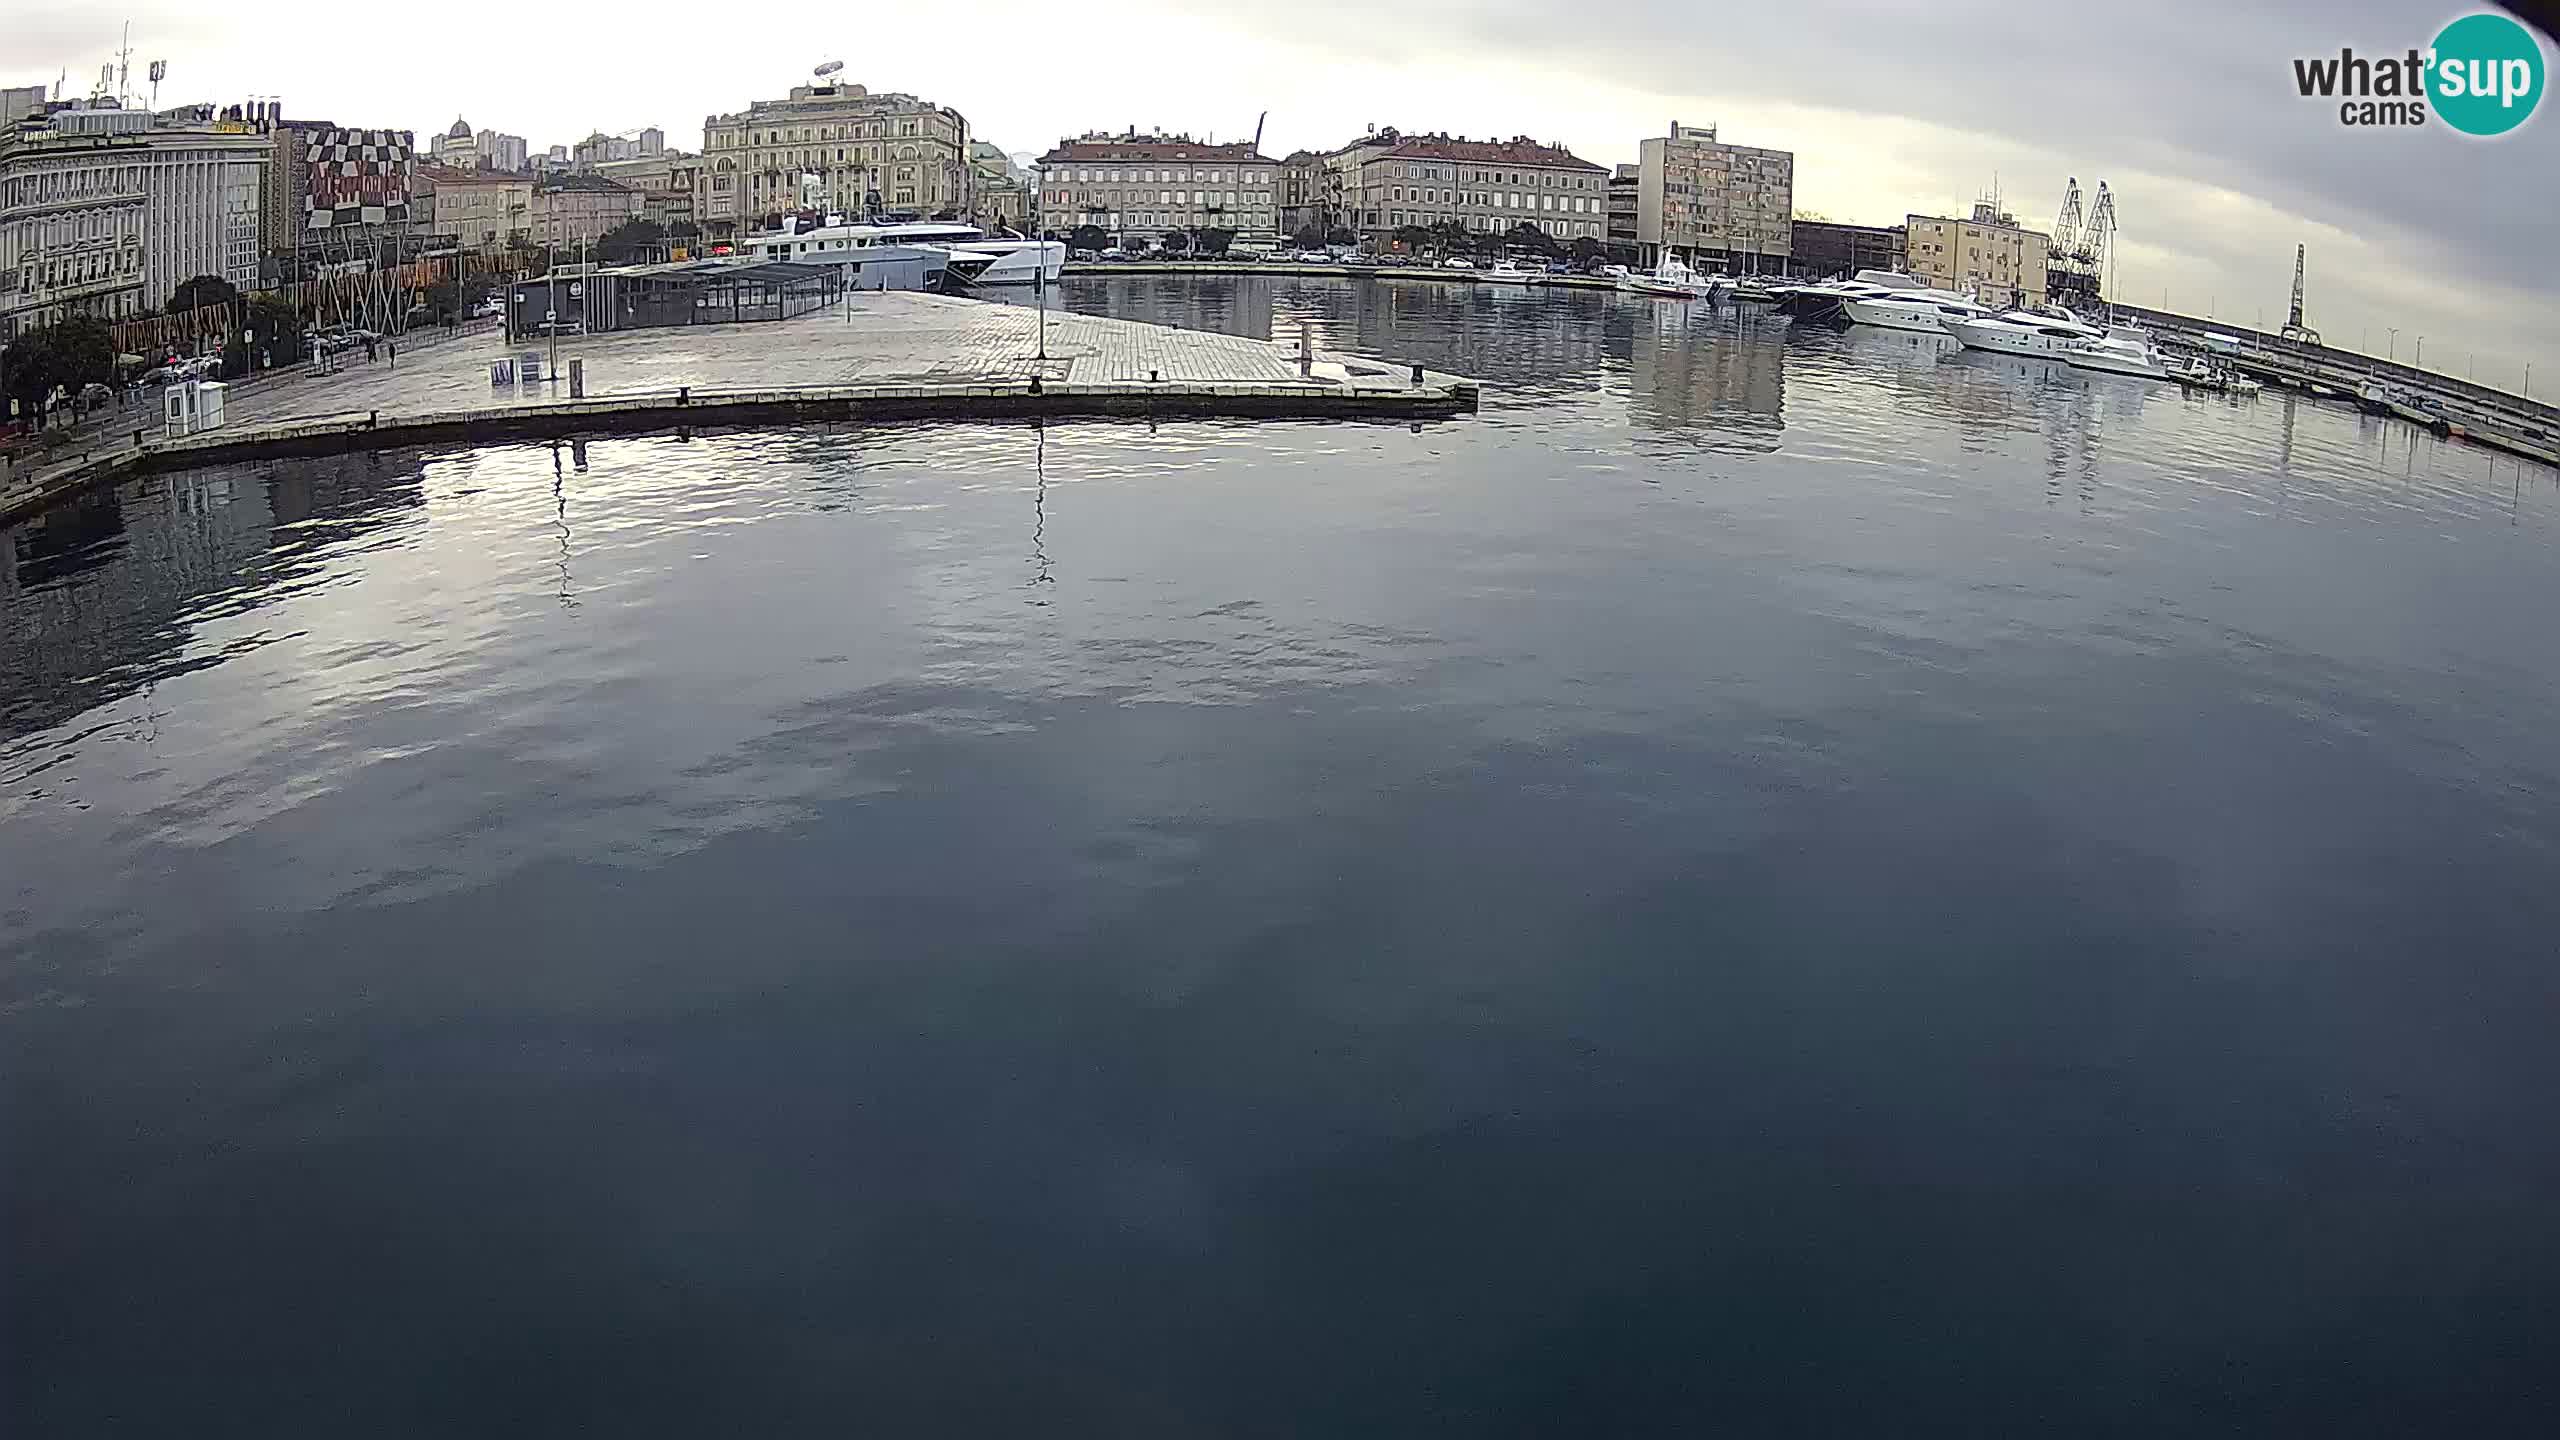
<point x="890" y="357"/>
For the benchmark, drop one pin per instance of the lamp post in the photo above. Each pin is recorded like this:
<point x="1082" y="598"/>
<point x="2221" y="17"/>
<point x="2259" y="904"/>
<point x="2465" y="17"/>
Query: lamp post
<point x="2393" y="355"/>
<point x="2420" y="358"/>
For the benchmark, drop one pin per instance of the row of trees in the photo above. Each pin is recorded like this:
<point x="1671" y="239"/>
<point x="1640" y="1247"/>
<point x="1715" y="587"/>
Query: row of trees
<point x="1205" y="240"/>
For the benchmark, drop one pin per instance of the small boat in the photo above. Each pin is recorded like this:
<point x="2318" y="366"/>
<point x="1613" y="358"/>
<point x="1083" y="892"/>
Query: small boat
<point x="1507" y="272"/>
<point x="1670" y="279"/>
<point x="2374" y="398"/>
<point x="2243" y="385"/>
<point x="2123" y="350"/>
<point x="2424" y="411"/>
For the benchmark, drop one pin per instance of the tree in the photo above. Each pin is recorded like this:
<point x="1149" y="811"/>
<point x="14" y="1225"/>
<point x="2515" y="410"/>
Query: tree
<point x="68" y="354"/>
<point x="1176" y="241"/>
<point x="1529" y="239"/>
<point x="1212" y="241"/>
<point x="1412" y="237"/>
<point x="1587" y="250"/>
<point x="199" y="292"/>
<point x="1089" y="237"/>
<point x="630" y="240"/>
<point x="278" y="328"/>
<point x="1309" y="236"/>
<point x="1341" y="235"/>
<point x="26" y="372"/>
<point x="1450" y="237"/>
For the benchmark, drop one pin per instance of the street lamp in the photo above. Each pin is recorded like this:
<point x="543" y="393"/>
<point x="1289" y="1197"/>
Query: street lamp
<point x="2394" y="355"/>
<point x="2420" y="358"/>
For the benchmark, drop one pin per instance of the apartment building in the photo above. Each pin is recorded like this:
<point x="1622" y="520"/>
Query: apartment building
<point x="483" y="209"/>
<point x="1989" y="253"/>
<point x="1143" y="185"/>
<point x="571" y="210"/>
<point x="1719" y="206"/>
<point x="884" y="153"/>
<point x="1483" y="185"/>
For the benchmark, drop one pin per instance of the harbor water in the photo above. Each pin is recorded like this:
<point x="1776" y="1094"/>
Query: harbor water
<point x="1767" y="883"/>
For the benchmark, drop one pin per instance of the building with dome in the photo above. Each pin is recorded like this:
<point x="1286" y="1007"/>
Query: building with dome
<point x="458" y="147"/>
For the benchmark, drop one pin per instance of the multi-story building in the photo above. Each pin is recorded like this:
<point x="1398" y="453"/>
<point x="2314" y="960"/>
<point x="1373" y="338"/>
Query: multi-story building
<point x="665" y="181"/>
<point x="556" y="158"/>
<point x="653" y="141"/>
<point x="1000" y="188"/>
<point x="884" y="154"/>
<point x="71" y="217"/>
<point x="1145" y="185"/>
<point x="481" y="209"/>
<point x="201" y="193"/>
<point x="1626" y="186"/>
<point x="285" y="186"/>
<point x="571" y="210"/>
<point x="1825" y="249"/>
<point x="1989" y="254"/>
<point x="501" y="152"/>
<point x="105" y="211"/>
<point x="1302" y="190"/>
<point x="1725" y="207"/>
<point x="1336" y="196"/>
<point x="457" y="148"/>
<point x="1482" y="185"/>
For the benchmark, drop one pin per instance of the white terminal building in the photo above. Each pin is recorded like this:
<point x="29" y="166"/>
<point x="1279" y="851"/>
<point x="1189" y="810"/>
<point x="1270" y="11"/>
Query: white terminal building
<point x="105" y="210"/>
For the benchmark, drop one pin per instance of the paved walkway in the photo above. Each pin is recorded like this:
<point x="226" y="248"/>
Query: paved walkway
<point x="875" y="338"/>
<point x="895" y="354"/>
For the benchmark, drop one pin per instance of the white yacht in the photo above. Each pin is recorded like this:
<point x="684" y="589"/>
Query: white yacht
<point x="977" y="257"/>
<point x="2123" y="350"/>
<point x="1926" y="311"/>
<point x="1823" y="301"/>
<point x="2024" y="332"/>
<point x="1506" y="272"/>
<point x="1671" y="278"/>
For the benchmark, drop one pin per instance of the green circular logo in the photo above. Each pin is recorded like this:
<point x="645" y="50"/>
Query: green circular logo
<point x="2484" y="74"/>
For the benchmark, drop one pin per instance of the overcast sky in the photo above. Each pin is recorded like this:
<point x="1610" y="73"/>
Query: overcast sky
<point x="2187" y="109"/>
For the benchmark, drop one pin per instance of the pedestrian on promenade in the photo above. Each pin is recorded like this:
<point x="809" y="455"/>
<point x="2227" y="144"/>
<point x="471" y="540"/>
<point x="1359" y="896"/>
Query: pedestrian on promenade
<point x="395" y="352"/>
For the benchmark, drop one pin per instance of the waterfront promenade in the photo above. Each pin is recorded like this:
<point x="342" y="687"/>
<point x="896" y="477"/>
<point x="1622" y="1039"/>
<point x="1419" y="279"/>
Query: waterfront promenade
<point x="894" y="355"/>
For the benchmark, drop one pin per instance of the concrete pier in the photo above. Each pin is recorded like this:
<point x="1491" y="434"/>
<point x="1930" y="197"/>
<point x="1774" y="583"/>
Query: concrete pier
<point x="894" y="356"/>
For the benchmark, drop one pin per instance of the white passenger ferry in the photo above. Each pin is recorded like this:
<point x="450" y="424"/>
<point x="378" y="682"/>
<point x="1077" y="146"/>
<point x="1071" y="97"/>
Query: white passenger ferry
<point x="975" y="256"/>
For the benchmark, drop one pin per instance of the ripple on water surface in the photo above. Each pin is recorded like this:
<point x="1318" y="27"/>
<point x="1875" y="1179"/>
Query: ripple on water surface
<point x="1760" y="855"/>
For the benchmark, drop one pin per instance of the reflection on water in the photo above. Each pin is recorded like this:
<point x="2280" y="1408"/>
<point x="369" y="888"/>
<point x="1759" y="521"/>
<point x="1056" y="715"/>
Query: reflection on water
<point x="1776" y="876"/>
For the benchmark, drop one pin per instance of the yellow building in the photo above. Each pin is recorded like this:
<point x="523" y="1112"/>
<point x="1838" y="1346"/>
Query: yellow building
<point x="1989" y="254"/>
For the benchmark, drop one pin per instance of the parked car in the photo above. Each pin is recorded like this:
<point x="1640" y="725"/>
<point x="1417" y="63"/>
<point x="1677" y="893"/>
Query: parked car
<point x="1113" y="253"/>
<point x="1457" y="262"/>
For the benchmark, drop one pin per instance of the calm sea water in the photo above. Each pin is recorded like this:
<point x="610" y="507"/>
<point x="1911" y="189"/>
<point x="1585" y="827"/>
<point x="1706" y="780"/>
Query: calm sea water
<point x="1766" y="884"/>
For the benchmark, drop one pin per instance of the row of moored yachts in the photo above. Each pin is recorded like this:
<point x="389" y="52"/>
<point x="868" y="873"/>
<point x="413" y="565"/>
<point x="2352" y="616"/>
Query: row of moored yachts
<point x="1891" y="300"/>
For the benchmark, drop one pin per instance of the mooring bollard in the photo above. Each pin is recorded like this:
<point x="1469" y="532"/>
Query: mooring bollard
<point x="1154" y="375"/>
<point x="1417" y="374"/>
<point x="684" y="394"/>
<point x="373" y="420"/>
<point x="577" y="379"/>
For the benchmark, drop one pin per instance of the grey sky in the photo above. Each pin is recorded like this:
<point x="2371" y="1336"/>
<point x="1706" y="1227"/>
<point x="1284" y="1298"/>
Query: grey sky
<point x="2187" y="109"/>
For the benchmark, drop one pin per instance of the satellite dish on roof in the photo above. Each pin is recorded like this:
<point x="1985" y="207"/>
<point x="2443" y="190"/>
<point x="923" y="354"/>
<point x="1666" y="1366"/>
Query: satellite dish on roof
<point x="830" y="68"/>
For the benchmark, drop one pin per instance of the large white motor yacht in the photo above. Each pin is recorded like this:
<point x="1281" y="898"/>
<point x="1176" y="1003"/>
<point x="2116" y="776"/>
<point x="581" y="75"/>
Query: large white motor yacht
<point x="2123" y="350"/>
<point x="1009" y="260"/>
<point x="1926" y="311"/>
<point x="2024" y="332"/>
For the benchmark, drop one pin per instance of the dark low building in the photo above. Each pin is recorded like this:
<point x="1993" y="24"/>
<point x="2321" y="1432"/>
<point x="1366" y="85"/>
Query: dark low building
<point x="1822" y="249"/>
<point x="688" y="292"/>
